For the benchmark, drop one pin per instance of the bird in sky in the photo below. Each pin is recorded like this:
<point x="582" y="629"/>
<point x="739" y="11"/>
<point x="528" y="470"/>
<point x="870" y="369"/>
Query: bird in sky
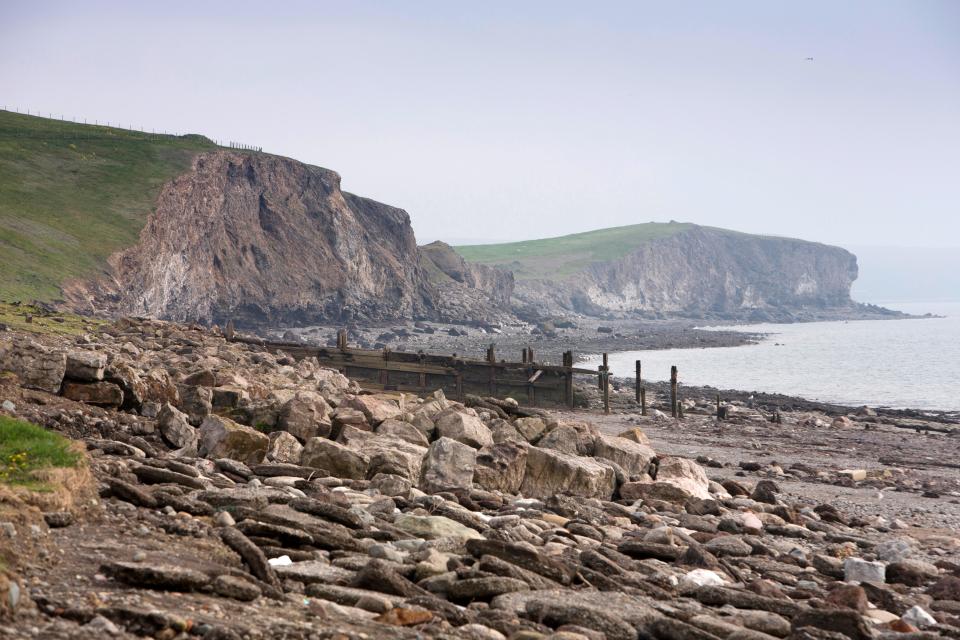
<point x="809" y="59"/>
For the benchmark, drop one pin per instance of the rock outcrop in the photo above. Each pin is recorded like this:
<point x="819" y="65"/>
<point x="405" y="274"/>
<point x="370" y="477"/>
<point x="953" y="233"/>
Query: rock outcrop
<point x="265" y="240"/>
<point x="703" y="272"/>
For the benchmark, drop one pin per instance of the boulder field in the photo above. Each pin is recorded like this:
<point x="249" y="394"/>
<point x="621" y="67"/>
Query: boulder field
<point x="244" y="494"/>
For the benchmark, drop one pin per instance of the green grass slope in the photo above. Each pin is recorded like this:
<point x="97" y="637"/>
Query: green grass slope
<point x="72" y="194"/>
<point x="566" y="255"/>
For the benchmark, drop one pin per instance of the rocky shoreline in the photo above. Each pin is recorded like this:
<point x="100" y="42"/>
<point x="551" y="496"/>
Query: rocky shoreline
<point x="237" y="493"/>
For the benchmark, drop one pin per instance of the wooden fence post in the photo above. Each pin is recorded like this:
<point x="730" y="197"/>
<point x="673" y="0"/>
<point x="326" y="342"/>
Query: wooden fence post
<point x="719" y="415"/>
<point x="605" y="384"/>
<point x="643" y="401"/>
<point x="637" y="382"/>
<point x="673" y="391"/>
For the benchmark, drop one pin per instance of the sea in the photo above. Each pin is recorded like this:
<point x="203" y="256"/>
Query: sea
<point x="905" y="363"/>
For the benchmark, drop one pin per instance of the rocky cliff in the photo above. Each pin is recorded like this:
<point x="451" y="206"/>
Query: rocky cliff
<point x="475" y="291"/>
<point x="703" y="272"/>
<point x="265" y="240"/>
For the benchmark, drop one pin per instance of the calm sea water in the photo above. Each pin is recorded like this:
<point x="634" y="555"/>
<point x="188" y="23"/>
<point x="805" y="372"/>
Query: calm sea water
<point x="890" y="363"/>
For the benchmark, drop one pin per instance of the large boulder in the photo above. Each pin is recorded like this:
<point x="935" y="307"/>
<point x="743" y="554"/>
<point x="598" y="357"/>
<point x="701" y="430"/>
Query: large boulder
<point x="196" y="402"/>
<point x="87" y="366"/>
<point x="403" y="431"/>
<point x="305" y="416"/>
<point x="36" y="366"/>
<point x="550" y="472"/>
<point x="223" y="438"/>
<point x="530" y="428"/>
<point x="393" y="456"/>
<point x="500" y="467"/>
<point x="339" y="460"/>
<point x="633" y="457"/>
<point x="104" y="394"/>
<point x="284" y="448"/>
<point x="448" y="465"/>
<point x="176" y="430"/>
<point x="433" y="527"/>
<point x="463" y="428"/>
<point x="153" y="386"/>
<point x="677" y="480"/>
<point x="375" y="408"/>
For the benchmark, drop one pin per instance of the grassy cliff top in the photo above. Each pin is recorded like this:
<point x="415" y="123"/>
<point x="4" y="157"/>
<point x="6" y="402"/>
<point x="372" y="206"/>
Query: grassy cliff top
<point x="566" y="255"/>
<point x="72" y="194"/>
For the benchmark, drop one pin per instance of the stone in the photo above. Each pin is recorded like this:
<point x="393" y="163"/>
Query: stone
<point x="633" y="457"/>
<point x="918" y="617"/>
<point x="251" y="554"/>
<point x="223" y="438"/>
<point x="847" y="622"/>
<point x="464" y="428"/>
<point x="766" y="491"/>
<point x="36" y="366"/>
<point x="635" y="434"/>
<point x="501" y="467"/>
<point x="236" y="588"/>
<point x="913" y="573"/>
<point x="697" y="578"/>
<point x="176" y="430"/>
<point x="432" y="527"/>
<point x="728" y="546"/>
<point x="337" y="459"/>
<point x="284" y="448"/>
<point x="563" y="438"/>
<point x="893" y="550"/>
<point x="842" y="422"/>
<point x="86" y="366"/>
<point x="403" y="431"/>
<point x="104" y="394"/>
<point x="848" y="596"/>
<point x="484" y="588"/>
<point x="946" y="588"/>
<point x="305" y="416"/>
<point x="196" y="402"/>
<point x="404" y="617"/>
<point x="530" y="428"/>
<point x="448" y="465"/>
<point x="311" y="571"/>
<point x="8" y="406"/>
<point x="551" y="472"/>
<point x="860" y="570"/>
<point x="854" y="474"/>
<point x="393" y="456"/>
<point x="159" y="576"/>
<point x="684" y="474"/>
<point x="375" y="408"/>
<point x="344" y="417"/>
<point x="392" y="485"/>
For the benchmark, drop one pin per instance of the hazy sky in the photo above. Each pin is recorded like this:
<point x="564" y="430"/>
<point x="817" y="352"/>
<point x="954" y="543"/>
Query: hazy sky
<point x="511" y="120"/>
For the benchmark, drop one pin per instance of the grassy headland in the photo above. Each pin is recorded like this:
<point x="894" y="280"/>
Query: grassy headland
<point x="26" y="448"/>
<point x="72" y="194"/>
<point x="565" y="255"/>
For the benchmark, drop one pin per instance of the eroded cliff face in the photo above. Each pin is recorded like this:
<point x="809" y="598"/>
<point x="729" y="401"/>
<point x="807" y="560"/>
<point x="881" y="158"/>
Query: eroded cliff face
<point x="265" y="240"/>
<point x="704" y="272"/>
<point x="465" y="291"/>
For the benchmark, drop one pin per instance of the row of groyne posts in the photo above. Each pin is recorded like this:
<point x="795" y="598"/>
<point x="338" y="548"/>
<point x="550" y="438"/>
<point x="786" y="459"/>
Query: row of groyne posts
<point x="676" y="408"/>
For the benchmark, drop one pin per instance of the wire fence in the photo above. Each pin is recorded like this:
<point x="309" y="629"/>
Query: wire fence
<point x="139" y="133"/>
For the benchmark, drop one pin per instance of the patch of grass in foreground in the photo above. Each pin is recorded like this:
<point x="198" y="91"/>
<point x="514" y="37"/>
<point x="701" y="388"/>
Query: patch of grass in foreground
<point x="566" y="255"/>
<point x="26" y="447"/>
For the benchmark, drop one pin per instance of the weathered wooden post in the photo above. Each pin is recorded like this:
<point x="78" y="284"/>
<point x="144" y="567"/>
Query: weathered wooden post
<point x="524" y="355"/>
<point x="643" y="401"/>
<point x="673" y="391"/>
<point x="679" y="403"/>
<point x="605" y="384"/>
<point x="530" y="355"/>
<point x="568" y="383"/>
<point x="638" y="382"/>
<point x="719" y="414"/>
<point x="491" y="359"/>
<point x="342" y="339"/>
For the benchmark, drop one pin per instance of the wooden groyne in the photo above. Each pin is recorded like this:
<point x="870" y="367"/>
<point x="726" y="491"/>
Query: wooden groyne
<point x="529" y="382"/>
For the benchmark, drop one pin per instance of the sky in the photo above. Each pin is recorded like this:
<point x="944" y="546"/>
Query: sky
<point x="513" y="120"/>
